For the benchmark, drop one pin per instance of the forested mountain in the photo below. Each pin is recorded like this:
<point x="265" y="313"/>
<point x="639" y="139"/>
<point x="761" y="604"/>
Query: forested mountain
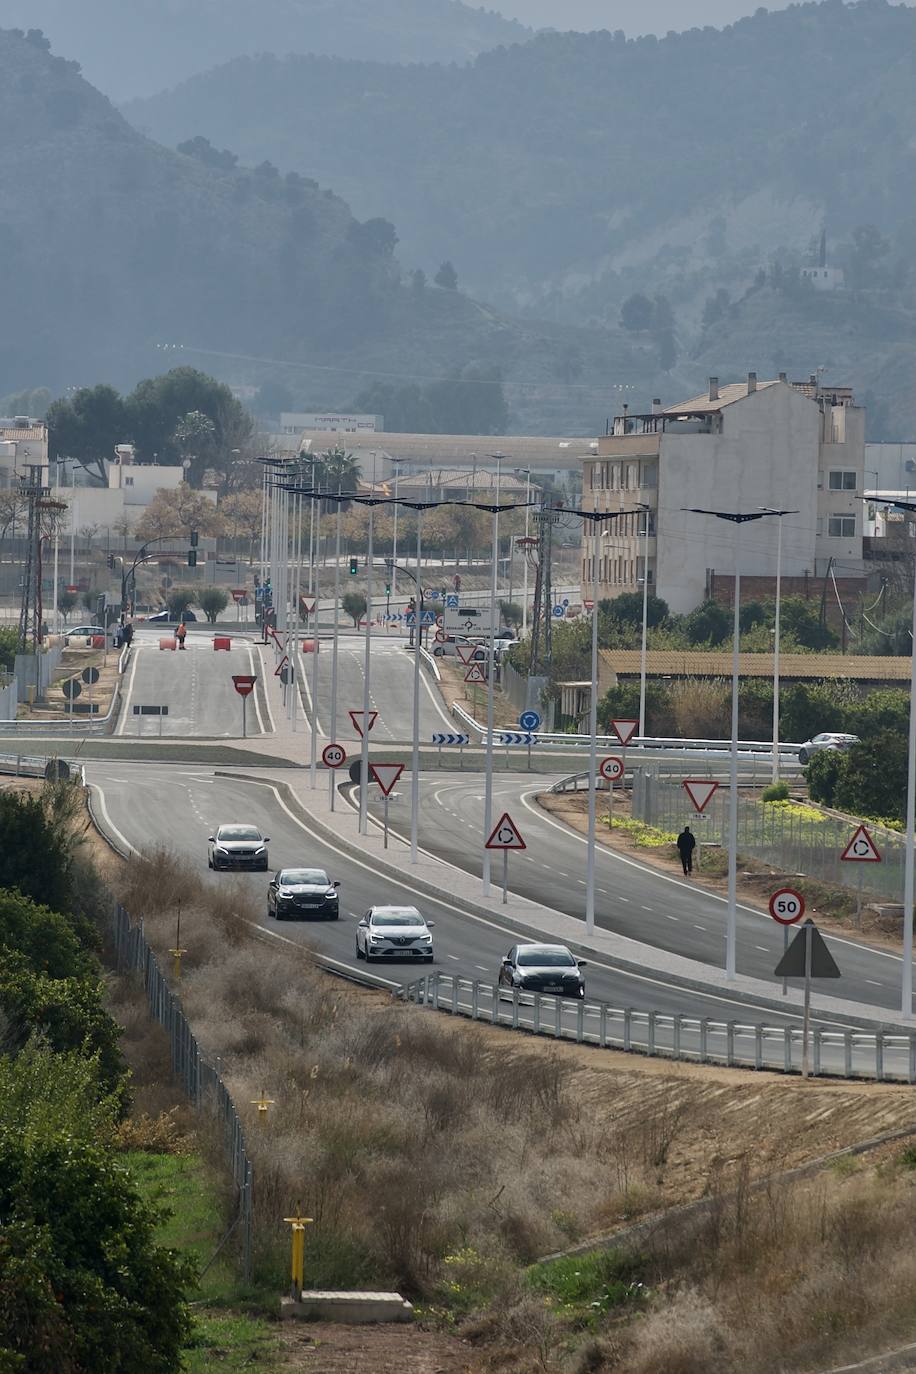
<point x="116" y="251"/>
<point x="133" y="48"/>
<point x="567" y="171"/>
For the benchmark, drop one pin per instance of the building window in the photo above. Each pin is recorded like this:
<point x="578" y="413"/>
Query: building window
<point x="842" y="481"/>
<point x="841" y="526"/>
<point x="128" y="481"/>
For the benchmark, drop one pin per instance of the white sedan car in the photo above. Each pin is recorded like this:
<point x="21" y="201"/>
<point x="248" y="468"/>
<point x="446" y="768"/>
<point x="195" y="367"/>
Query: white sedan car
<point x="394" y="932"/>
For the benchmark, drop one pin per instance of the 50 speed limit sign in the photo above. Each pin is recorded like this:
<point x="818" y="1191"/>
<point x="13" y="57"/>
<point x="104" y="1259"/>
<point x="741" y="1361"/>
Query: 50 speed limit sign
<point x="787" y="906"/>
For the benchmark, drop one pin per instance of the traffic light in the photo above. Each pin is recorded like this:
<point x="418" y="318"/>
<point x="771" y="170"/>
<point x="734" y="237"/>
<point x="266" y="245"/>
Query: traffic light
<point x="194" y="539"/>
<point x="387" y="588"/>
<point x="354" y="565"/>
<point x="111" y="560"/>
<point x="192" y="558"/>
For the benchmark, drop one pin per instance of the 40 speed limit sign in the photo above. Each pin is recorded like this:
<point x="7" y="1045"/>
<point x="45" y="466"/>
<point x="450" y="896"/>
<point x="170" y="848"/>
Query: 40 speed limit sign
<point x="787" y="906"/>
<point x="333" y="756"/>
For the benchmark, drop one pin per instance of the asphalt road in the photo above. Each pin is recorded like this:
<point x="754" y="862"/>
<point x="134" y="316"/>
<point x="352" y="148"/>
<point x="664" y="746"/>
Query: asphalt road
<point x="632" y="899"/>
<point x="195" y="684"/>
<point x="179" y="808"/>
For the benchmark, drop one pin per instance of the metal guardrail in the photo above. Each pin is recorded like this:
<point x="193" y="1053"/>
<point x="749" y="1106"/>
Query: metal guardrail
<point x="92" y="725"/>
<point x="25" y="766"/>
<point x="430" y="663"/>
<point x="200" y="1079"/>
<point x="840" y="1053"/>
<point x="761" y="749"/>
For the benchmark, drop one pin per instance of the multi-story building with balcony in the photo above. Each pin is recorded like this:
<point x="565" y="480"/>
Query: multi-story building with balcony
<point x="796" y="446"/>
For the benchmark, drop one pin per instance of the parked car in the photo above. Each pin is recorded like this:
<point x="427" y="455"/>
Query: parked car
<point x="83" y="632"/>
<point x="302" y="892"/>
<point x="238" y="846"/>
<point x="168" y="617"/>
<point x="394" y="932"/>
<point x="817" y="745"/>
<point x="542" y="968"/>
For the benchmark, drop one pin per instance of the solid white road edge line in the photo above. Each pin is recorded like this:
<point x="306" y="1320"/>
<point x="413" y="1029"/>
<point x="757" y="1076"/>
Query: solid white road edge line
<point x="103" y="810"/>
<point x="125" y="700"/>
<point x="257" y="709"/>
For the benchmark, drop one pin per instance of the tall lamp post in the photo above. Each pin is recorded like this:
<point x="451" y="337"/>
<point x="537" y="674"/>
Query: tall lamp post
<point x="645" y="617"/>
<point x="731" y="931"/>
<point x="526" y="472"/>
<point x="906" y="1000"/>
<point x="768" y="510"/>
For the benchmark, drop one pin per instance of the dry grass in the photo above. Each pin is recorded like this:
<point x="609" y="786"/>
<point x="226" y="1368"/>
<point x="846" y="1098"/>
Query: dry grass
<point x="442" y="1159"/>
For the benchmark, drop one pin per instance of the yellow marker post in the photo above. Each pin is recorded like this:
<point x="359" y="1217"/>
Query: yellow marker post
<point x="263" y="1105"/>
<point x="298" y="1223"/>
<point x="176" y="961"/>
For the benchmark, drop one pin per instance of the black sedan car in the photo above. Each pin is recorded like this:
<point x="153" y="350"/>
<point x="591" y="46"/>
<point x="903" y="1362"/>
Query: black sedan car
<point x="543" y="968"/>
<point x="297" y="892"/>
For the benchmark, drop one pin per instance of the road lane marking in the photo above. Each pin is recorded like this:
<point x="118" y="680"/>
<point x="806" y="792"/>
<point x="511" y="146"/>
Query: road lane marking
<point x="125" y="704"/>
<point x="110" y="823"/>
<point x="696" y="927"/>
<point x="257" y="709"/>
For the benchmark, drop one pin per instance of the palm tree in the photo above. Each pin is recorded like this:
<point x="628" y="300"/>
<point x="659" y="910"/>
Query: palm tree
<point x="337" y="470"/>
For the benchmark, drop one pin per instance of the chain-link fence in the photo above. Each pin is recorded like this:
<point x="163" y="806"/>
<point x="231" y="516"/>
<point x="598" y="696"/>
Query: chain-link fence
<point x="201" y="1080"/>
<point x="781" y="836"/>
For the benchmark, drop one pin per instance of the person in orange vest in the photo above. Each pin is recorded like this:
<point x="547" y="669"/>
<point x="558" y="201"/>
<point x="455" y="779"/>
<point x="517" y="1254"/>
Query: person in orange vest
<point x="180" y="634"/>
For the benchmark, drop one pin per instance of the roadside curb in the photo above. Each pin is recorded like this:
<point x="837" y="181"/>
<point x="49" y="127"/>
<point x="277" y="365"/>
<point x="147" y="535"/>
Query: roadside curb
<point x="530" y="930"/>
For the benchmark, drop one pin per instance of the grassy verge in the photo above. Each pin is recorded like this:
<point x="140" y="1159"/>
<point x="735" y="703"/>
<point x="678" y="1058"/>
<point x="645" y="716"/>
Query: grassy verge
<point x="231" y="1329"/>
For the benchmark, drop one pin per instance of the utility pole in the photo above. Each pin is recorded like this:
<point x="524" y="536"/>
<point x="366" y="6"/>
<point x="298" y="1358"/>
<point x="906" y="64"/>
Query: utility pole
<point x="30" y="610"/>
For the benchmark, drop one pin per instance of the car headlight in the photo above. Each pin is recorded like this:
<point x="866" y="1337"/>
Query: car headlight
<point x="377" y="938"/>
<point x="331" y="894"/>
<point x="427" y="939"/>
<point x="260" y="849"/>
<point x="284" y="896"/>
<point x="221" y="850"/>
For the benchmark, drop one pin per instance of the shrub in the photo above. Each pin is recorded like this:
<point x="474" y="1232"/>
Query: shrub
<point x="32" y="857"/>
<point x="588" y="1285"/>
<point x="43" y="938"/>
<point x="354" y="603"/>
<point x="823" y="775"/>
<point x="213" y="600"/>
<point x="777" y="791"/>
<point x="873" y="779"/>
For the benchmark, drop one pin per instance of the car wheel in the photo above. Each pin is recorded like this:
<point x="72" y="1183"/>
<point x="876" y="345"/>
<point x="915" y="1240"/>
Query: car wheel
<point x="803" y="756"/>
<point x="430" y="959"/>
<point x="359" y="953"/>
<point x="209" y="862"/>
<point x="334" y="916"/>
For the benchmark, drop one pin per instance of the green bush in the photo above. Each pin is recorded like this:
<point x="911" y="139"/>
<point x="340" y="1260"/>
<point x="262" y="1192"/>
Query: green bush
<point x="873" y="778"/>
<point x="212" y="601"/>
<point x="823" y="774"/>
<point x="588" y="1285"/>
<point x="777" y="791"/>
<point x="44" y="938"/>
<point x="33" y="857"/>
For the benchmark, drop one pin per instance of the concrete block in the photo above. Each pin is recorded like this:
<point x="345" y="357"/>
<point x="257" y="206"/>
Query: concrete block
<point x="349" y="1307"/>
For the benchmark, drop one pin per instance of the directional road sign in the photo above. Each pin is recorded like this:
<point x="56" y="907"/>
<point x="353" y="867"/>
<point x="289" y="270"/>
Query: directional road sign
<point x="513" y="737"/>
<point x="530" y="720"/>
<point x="792" y="963"/>
<point x="333" y="756"/>
<point x="357" y="719"/>
<point x="451" y="739"/>
<point x="700" y="791"/>
<point x="558" y="612"/>
<point x="624" y="730"/>
<point x="475" y="673"/>
<point x="787" y="906"/>
<point x="506" y="834"/>
<point x="386" y="775"/>
<point x="861" y="849"/>
<point x="611" y="769"/>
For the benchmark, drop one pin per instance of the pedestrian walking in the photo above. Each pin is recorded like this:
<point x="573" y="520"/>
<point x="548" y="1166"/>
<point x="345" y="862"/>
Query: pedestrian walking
<point x="181" y="634"/>
<point x="686" y="844"/>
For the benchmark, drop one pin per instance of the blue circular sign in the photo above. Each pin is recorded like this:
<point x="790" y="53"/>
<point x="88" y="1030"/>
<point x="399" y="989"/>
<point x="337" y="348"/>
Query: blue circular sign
<point x="558" y="612"/>
<point x="529" y="720"/>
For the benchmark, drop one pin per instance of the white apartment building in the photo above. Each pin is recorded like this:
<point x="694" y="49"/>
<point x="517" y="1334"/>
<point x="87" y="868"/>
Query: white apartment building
<point x="795" y="446"/>
<point x="23" y="443"/>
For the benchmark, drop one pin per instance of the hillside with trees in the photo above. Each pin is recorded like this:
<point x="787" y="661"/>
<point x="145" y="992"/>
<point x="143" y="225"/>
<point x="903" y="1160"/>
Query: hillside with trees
<point x="127" y="258"/>
<point x="563" y="176"/>
<point x="132" y="48"/>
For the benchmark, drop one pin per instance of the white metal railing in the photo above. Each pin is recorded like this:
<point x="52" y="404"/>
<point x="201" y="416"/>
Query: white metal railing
<point x="430" y="663"/>
<point x="843" y="1052"/>
<point x="34" y="766"/>
<point x="752" y="748"/>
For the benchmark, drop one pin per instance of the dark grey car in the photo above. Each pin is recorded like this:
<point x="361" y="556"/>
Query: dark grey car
<point x="296" y="892"/>
<point x="550" y="969"/>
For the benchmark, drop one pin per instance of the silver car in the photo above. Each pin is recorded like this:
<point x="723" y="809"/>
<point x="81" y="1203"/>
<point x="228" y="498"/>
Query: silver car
<point x="394" y="932"/>
<point x="238" y="846"/>
<point x="817" y="745"/>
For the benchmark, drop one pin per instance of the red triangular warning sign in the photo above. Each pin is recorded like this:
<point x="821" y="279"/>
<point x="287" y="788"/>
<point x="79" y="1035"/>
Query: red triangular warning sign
<point x="624" y="729"/>
<point x="475" y="673"/>
<point x="386" y="775"/>
<point x="465" y="652"/>
<point x="861" y="849"/>
<point x="505" y="834"/>
<point x="357" y="719"/>
<point x="281" y="665"/>
<point x="700" y="791"/>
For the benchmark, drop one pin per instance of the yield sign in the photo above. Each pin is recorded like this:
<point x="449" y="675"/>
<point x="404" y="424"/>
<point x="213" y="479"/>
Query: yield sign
<point x="861" y="848"/>
<point x="792" y="963"/>
<point x="386" y="775"/>
<point x="284" y="663"/>
<point x="465" y="652"/>
<point x="700" y="791"/>
<point x="624" y="730"/>
<point x="357" y="718"/>
<point x="308" y="604"/>
<point x="505" y="834"/>
<point x="475" y="673"/>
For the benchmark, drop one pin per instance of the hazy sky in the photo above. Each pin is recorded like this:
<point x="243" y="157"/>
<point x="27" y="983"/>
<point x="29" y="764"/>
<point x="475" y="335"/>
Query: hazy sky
<point x="633" y="16"/>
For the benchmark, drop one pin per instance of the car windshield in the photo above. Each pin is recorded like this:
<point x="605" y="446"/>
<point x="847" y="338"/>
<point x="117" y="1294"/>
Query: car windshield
<point x="238" y="832"/>
<point x="313" y="877"/>
<point x="546" y="958"/>
<point x="397" y="918"/>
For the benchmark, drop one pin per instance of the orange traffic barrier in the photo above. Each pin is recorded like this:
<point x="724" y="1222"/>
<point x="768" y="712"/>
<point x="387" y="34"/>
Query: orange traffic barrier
<point x="308" y="646"/>
<point x="168" y="644"/>
<point x="222" y="642"/>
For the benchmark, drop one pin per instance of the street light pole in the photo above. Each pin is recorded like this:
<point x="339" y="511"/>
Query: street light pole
<point x="367" y="671"/>
<point x="491" y="673"/>
<point x="415" y="753"/>
<point x="525" y="556"/>
<point x="768" y="510"/>
<point x="645" y="621"/>
<point x="731" y="930"/>
<point x="334" y="646"/>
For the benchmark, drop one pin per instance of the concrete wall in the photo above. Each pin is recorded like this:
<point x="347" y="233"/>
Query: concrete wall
<point x="843" y="450"/>
<point x="9" y="700"/>
<point x="26" y="669"/>
<point x="766" y="455"/>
